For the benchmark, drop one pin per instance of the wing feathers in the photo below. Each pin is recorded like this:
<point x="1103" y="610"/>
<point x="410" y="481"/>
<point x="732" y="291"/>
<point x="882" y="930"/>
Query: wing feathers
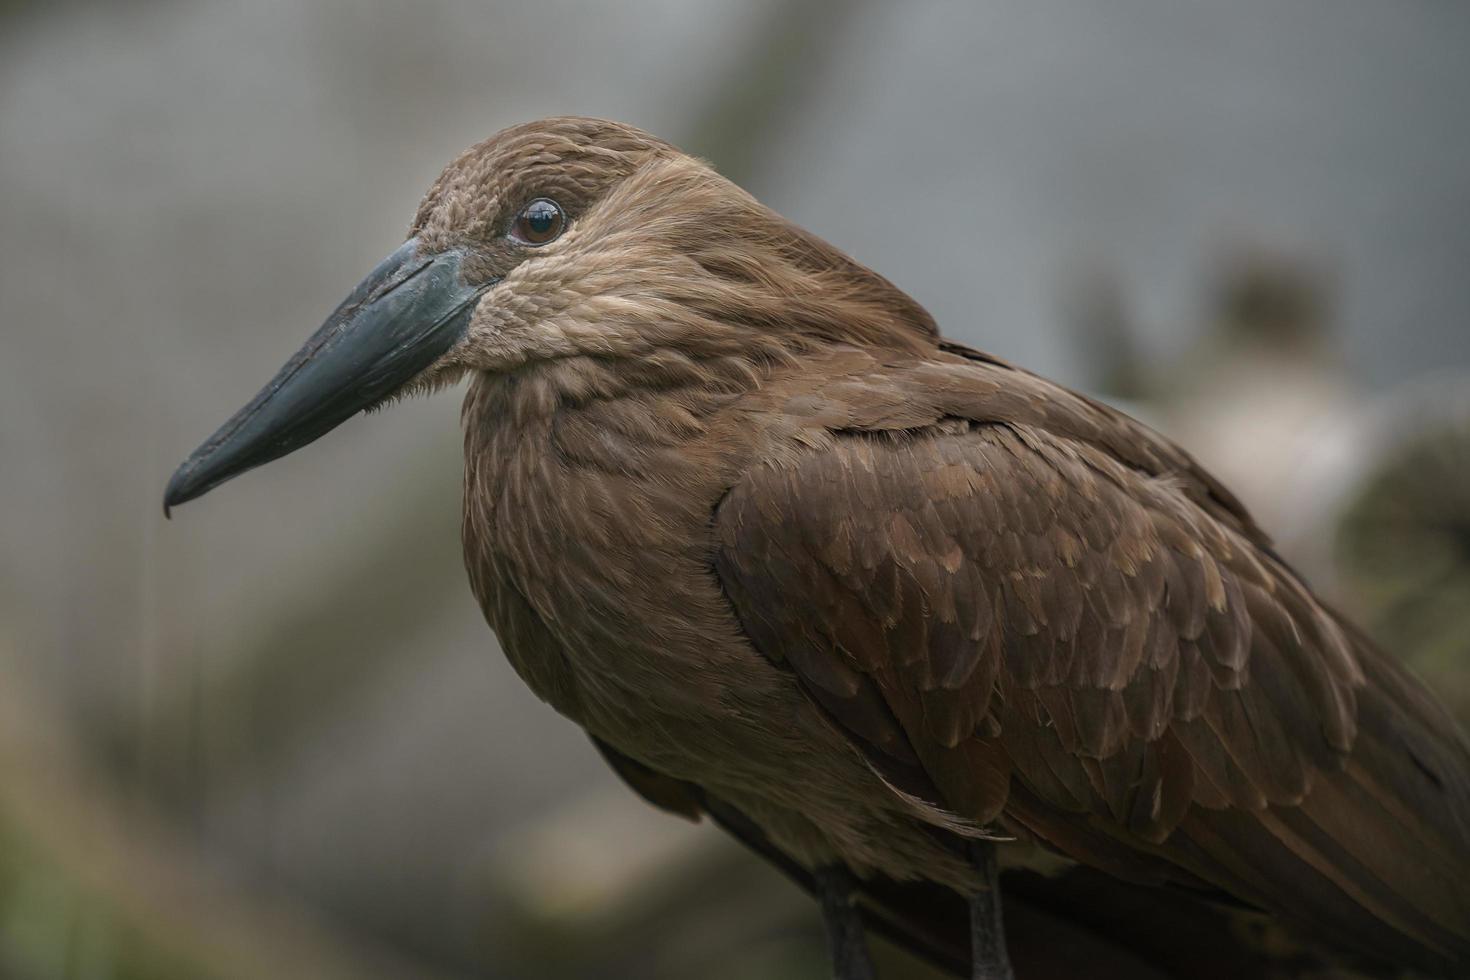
<point x="994" y="606"/>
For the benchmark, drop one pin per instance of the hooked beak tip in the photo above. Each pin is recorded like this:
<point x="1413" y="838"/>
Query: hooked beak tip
<point x="178" y="490"/>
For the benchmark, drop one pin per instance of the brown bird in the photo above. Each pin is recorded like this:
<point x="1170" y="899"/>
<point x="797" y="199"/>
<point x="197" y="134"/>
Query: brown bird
<point x="889" y="609"/>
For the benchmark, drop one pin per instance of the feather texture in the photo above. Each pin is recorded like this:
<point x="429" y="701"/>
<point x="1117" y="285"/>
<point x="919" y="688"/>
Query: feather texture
<point x="1108" y="630"/>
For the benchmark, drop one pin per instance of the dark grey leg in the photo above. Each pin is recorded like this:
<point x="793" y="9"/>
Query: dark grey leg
<point x="987" y="934"/>
<point x="837" y="890"/>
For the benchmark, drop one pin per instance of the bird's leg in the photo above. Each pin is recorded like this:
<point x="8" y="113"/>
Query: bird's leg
<point x="837" y="889"/>
<point x="988" y="958"/>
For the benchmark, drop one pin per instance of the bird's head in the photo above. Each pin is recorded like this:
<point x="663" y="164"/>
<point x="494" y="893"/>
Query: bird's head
<point x="565" y="238"/>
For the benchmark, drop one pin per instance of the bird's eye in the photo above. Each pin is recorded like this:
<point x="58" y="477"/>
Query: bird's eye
<point x="539" y="222"/>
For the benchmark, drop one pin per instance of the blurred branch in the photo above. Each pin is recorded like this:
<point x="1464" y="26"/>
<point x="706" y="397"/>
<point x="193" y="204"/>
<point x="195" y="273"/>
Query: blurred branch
<point x="85" y="877"/>
<point x="782" y="58"/>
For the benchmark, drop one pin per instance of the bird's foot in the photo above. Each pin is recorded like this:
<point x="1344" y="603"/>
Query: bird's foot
<point x="988" y="957"/>
<point x="838" y="890"/>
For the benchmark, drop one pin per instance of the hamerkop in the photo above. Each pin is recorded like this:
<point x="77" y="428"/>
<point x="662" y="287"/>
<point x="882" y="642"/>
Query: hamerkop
<point x="908" y="620"/>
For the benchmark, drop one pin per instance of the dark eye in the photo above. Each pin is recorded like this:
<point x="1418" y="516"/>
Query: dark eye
<point x="539" y="222"/>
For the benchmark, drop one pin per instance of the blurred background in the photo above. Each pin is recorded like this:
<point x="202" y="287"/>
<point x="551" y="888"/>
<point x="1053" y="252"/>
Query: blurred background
<point x="273" y="737"/>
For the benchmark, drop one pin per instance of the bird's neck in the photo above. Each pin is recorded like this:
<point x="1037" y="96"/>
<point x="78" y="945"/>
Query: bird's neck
<point x="674" y="388"/>
<point x="576" y="479"/>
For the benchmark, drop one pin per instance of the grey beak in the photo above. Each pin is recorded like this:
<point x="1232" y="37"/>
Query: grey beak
<point x="404" y="315"/>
